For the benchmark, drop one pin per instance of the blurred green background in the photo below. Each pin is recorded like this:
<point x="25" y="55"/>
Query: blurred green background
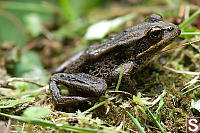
<point x="22" y="20"/>
<point x="47" y="32"/>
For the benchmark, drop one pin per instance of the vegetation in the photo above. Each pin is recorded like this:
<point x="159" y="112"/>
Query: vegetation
<point x="37" y="36"/>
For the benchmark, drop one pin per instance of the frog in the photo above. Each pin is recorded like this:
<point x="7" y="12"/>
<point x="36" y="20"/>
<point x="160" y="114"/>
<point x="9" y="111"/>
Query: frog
<point x="88" y="73"/>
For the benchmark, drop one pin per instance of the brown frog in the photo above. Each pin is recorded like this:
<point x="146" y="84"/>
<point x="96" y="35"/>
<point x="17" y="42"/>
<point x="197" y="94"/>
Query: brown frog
<point x="89" y="72"/>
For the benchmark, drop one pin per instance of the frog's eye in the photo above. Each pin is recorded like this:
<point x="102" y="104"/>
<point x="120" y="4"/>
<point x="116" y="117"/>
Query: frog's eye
<point x="156" y="32"/>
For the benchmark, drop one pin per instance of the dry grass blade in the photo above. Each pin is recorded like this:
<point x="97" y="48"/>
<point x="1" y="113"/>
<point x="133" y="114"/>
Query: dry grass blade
<point x="190" y="83"/>
<point x="183" y="72"/>
<point x="182" y="45"/>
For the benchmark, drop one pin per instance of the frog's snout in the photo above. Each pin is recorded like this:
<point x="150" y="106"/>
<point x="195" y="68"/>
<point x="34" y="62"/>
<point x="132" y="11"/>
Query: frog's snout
<point x="177" y="30"/>
<point x="172" y="31"/>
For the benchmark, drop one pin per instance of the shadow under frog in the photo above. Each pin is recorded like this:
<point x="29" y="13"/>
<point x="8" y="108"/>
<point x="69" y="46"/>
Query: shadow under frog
<point x="88" y="74"/>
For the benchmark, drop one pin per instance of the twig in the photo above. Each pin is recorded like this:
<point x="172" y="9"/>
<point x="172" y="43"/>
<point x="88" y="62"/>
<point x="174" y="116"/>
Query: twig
<point x="6" y="83"/>
<point x="182" y="45"/>
<point x="121" y="92"/>
<point x="183" y="72"/>
<point x="190" y="83"/>
<point x="158" y="99"/>
<point x="47" y="34"/>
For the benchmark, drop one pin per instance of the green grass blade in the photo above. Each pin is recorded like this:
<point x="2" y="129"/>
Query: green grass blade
<point x="155" y="121"/>
<point x="23" y="6"/>
<point x="98" y="105"/>
<point x="67" y="10"/>
<point x="24" y="94"/>
<point x="190" y="19"/>
<point x="191" y="90"/>
<point x="190" y="33"/>
<point x="50" y="124"/>
<point x="161" y="103"/>
<point x="120" y="78"/>
<point x="12" y="103"/>
<point x="137" y="124"/>
<point x="19" y="95"/>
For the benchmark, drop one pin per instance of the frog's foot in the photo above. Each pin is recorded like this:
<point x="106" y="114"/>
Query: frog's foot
<point x="126" y="82"/>
<point x="85" y="85"/>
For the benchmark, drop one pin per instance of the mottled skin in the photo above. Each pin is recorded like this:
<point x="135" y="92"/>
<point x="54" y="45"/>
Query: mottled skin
<point x="90" y="72"/>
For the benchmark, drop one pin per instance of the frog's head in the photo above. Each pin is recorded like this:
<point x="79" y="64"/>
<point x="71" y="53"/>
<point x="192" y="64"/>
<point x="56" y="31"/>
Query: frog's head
<point x="152" y="36"/>
<point x="160" y="33"/>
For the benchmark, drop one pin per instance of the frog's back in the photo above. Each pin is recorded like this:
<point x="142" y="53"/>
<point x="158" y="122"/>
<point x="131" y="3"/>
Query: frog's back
<point x="99" y="51"/>
<point x="101" y="59"/>
<point x="128" y="38"/>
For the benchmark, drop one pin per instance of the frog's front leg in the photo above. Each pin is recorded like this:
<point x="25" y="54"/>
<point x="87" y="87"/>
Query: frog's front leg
<point x="126" y="82"/>
<point x="85" y="85"/>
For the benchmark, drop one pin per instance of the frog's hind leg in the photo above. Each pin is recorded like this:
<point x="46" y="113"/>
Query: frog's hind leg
<point x="87" y="87"/>
<point x="59" y="99"/>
